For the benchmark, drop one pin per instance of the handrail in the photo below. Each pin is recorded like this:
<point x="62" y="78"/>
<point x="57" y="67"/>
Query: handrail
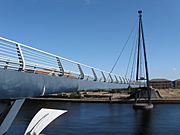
<point x="30" y="57"/>
<point x="44" y="52"/>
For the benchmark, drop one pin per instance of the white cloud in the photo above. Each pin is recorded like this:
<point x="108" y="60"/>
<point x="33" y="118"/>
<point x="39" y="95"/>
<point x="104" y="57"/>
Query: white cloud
<point x="174" y="69"/>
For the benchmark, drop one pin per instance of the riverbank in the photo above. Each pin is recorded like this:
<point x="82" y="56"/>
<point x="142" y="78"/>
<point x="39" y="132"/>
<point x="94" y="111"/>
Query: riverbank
<point x="97" y="100"/>
<point x="167" y="96"/>
<point x="169" y="93"/>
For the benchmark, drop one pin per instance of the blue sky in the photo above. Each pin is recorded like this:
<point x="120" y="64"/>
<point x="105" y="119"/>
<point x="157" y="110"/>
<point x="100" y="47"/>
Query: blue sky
<point x="94" y="31"/>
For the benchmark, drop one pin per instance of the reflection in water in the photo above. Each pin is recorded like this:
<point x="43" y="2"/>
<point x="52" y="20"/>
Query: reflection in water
<point x="144" y="121"/>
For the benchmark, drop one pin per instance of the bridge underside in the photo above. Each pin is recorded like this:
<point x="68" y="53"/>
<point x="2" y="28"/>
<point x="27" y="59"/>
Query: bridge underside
<point x="17" y="84"/>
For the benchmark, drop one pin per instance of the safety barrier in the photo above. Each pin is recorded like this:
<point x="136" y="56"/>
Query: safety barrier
<point x="17" y="56"/>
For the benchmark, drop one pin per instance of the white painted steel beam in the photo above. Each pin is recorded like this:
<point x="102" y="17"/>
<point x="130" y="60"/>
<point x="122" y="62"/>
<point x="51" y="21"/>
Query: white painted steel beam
<point x="42" y="119"/>
<point x="7" y="122"/>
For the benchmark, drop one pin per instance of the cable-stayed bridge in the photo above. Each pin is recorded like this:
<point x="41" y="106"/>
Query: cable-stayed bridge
<point x="29" y="72"/>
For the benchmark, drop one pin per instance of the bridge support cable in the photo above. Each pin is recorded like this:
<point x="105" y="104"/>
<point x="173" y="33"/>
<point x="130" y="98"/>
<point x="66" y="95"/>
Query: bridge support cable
<point x="133" y="65"/>
<point x="123" y="48"/>
<point x="133" y="49"/>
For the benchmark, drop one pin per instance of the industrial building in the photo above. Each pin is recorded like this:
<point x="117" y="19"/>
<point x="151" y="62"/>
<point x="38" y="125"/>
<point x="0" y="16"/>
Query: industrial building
<point x="161" y="83"/>
<point x="176" y="84"/>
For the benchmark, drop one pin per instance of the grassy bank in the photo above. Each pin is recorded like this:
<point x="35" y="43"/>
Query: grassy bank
<point x="170" y="93"/>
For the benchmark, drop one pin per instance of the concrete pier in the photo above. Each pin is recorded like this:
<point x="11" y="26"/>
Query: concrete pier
<point x="143" y="106"/>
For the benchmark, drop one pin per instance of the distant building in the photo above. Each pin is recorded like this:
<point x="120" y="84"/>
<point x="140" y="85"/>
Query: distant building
<point x="176" y="84"/>
<point x="161" y="83"/>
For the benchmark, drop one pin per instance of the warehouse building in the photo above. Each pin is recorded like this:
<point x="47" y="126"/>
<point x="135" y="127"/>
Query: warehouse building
<point x="161" y="83"/>
<point x="176" y="84"/>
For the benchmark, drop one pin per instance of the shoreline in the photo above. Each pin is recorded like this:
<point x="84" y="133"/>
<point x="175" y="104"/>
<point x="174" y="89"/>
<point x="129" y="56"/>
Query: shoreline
<point x="164" y="96"/>
<point x="97" y="100"/>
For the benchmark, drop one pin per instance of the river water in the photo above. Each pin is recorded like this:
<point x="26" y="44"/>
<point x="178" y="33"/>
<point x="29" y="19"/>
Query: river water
<point x="102" y="119"/>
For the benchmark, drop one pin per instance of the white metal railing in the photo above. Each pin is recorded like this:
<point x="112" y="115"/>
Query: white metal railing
<point x="17" y="56"/>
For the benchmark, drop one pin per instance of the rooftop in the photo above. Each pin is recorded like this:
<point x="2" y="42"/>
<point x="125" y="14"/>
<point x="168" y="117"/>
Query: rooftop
<point x="159" y="79"/>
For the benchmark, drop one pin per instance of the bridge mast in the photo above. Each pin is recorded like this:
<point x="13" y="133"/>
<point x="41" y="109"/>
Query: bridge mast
<point x="138" y="77"/>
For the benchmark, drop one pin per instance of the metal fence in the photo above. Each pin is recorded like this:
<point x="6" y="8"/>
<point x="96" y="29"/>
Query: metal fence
<point x="17" y="56"/>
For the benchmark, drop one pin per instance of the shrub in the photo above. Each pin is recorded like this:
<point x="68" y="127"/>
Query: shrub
<point x="75" y="95"/>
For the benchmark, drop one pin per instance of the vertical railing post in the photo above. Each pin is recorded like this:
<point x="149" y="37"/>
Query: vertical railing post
<point x="81" y="72"/>
<point x="104" y="78"/>
<point x="60" y="67"/>
<point x="111" y="78"/>
<point x="123" y="81"/>
<point x="94" y="73"/>
<point x="120" y="79"/>
<point x="127" y="80"/>
<point x="116" y="79"/>
<point x="6" y="66"/>
<point x="21" y="57"/>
